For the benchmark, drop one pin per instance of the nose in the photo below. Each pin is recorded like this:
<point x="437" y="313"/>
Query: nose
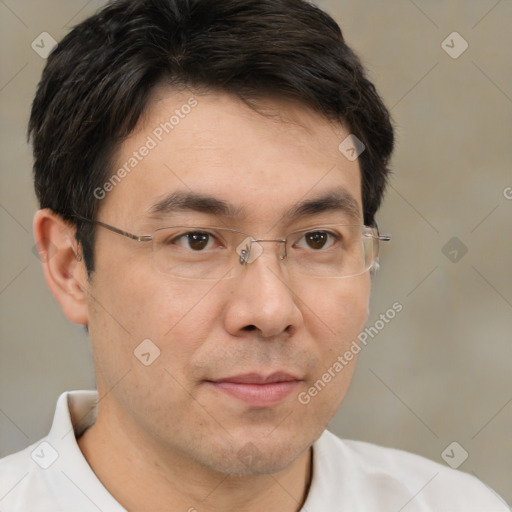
<point x="262" y="300"/>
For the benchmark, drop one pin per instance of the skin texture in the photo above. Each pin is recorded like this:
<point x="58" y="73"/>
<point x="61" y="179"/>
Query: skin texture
<point x="165" y="437"/>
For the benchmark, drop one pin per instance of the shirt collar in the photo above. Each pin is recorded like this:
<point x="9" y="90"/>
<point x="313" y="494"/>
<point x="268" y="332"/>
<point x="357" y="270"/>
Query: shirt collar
<point x="71" y="478"/>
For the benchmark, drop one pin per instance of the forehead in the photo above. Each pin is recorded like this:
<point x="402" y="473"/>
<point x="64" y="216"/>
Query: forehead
<point x="261" y="163"/>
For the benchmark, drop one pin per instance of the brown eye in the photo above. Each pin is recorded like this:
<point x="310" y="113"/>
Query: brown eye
<point x="197" y="241"/>
<point x="316" y="239"/>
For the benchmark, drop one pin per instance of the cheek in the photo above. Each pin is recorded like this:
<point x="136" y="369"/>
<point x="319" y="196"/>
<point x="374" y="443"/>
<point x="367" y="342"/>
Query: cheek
<point x="339" y="307"/>
<point x="130" y="306"/>
<point x="145" y="303"/>
<point x="335" y="317"/>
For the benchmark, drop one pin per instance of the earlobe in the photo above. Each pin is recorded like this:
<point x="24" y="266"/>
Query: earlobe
<point x="63" y="264"/>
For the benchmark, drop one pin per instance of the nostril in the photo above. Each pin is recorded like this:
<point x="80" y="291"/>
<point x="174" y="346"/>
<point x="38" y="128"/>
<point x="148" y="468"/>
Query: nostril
<point x="250" y="328"/>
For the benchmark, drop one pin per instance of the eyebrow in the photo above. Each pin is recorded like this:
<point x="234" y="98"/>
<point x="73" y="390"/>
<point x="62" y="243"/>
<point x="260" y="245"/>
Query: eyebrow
<point x="339" y="200"/>
<point x="190" y="201"/>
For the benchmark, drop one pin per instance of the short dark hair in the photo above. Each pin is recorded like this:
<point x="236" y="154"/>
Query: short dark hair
<point x="99" y="78"/>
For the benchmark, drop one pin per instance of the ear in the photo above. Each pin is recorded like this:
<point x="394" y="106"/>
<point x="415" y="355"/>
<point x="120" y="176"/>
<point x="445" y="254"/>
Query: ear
<point x="63" y="267"/>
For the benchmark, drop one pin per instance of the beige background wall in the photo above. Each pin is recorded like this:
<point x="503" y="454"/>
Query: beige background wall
<point x="440" y="371"/>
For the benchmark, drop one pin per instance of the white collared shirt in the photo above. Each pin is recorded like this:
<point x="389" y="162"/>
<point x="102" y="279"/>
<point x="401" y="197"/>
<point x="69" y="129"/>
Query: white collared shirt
<point x="52" y="475"/>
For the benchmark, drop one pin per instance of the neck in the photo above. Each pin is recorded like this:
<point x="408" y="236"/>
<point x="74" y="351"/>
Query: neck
<point x="142" y="475"/>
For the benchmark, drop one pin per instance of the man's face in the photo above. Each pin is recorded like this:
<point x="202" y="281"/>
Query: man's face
<point x="199" y="400"/>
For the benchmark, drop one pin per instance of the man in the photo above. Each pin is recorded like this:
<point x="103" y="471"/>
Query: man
<point x="209" y="174"/>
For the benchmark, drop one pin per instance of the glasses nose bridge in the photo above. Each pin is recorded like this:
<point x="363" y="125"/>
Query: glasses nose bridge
<point x="250" y="249"/>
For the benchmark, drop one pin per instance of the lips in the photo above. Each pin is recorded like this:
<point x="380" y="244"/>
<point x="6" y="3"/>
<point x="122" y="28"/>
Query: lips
<point x="256" y="378"/>
<point x="258" y="390"/>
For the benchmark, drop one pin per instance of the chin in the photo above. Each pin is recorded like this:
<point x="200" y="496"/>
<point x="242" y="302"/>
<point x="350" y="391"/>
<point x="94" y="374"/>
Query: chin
<point x="256" y="456"/>
<point x="252" y="460"/>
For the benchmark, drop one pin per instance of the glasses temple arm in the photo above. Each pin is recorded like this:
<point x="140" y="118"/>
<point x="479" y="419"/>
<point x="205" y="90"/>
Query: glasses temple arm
<point x="138" y="238"/>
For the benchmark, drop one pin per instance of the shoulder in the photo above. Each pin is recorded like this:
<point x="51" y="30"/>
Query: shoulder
<point x="23" y="486"/>
<point x="397" y="476"/>
<point x="36" y="479"/>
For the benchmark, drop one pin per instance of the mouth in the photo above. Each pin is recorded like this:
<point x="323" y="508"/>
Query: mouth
<point x="257" y="390"/>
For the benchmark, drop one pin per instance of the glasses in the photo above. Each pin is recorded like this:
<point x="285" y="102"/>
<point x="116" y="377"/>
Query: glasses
<point x="212" y="253"/>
